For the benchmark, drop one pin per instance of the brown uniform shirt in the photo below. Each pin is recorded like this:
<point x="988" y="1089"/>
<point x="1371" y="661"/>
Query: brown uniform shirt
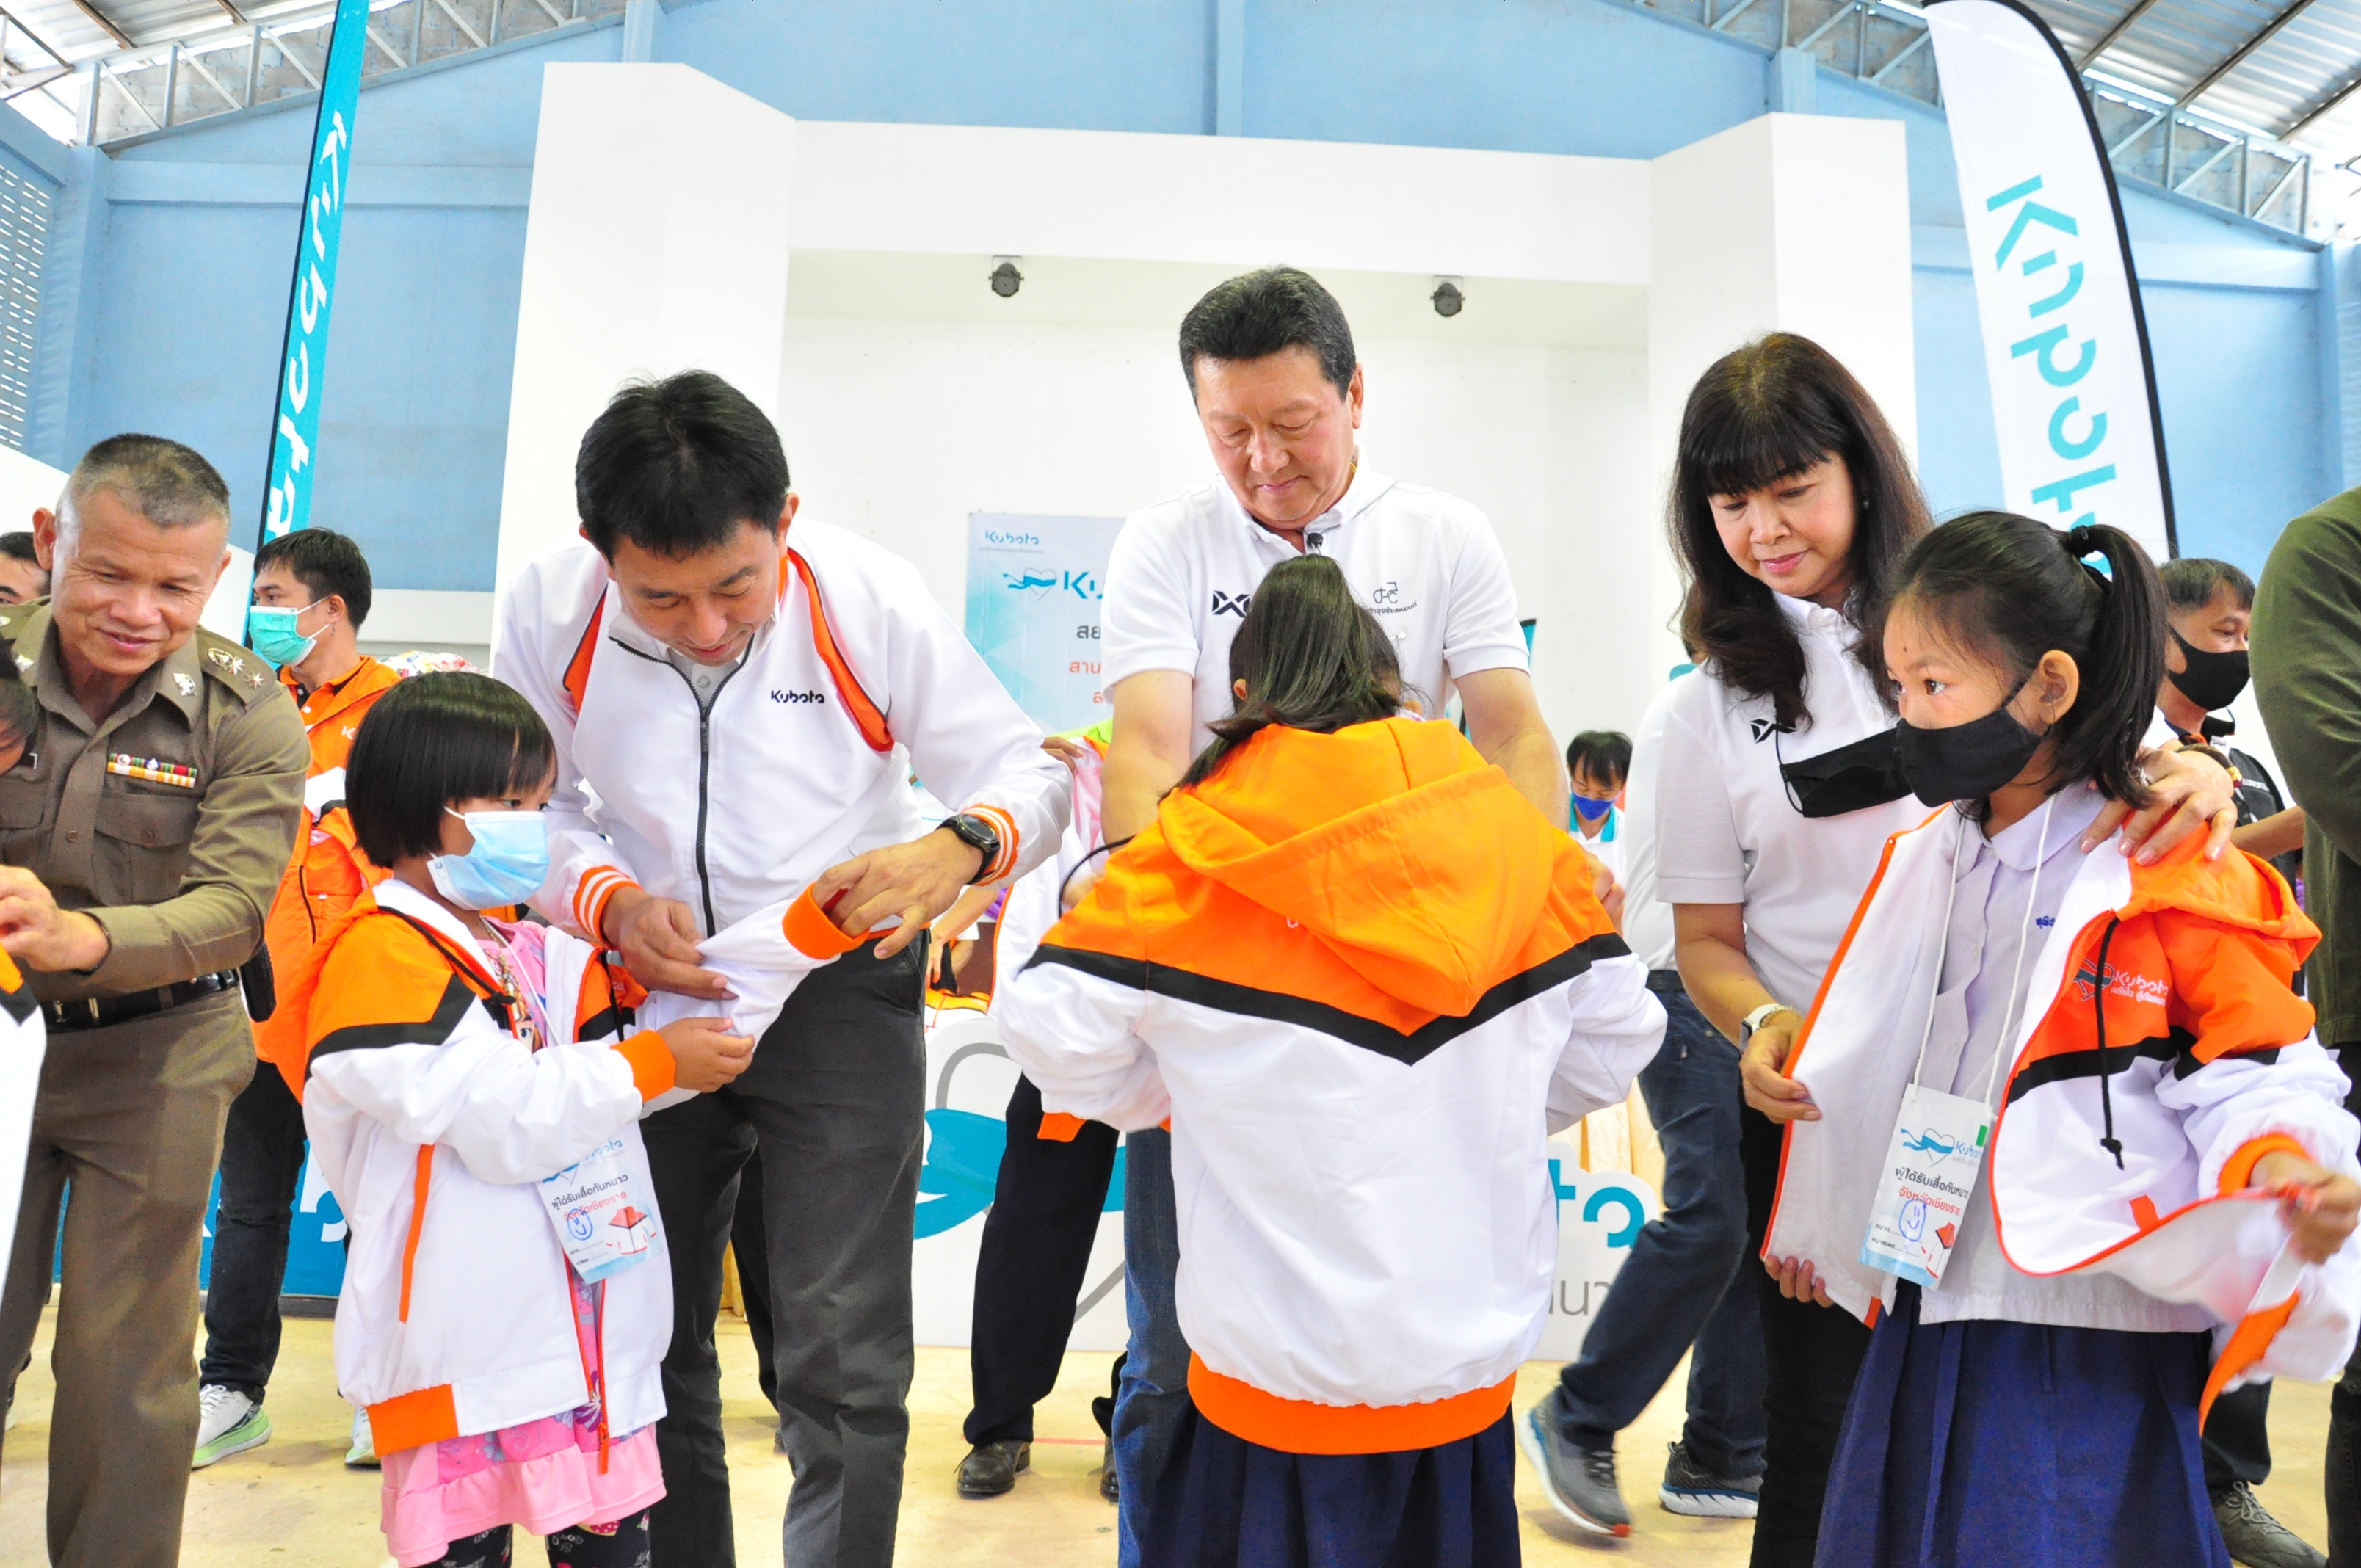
<point x="177" y="852"/>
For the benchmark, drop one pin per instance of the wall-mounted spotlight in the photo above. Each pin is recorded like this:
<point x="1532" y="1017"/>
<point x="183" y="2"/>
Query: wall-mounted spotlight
<point x="1449" y="298"/>
<point x="1006" y="279"/>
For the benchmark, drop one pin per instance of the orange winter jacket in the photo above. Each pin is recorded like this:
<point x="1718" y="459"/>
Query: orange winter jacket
<point x="328" y="872"/>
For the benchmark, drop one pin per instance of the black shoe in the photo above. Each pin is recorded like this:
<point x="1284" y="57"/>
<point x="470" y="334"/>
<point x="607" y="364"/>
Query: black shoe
<point x="2254" y="1538"/>
<point x="991" y="1468"/>
<point x="1580" y="1481"/>
<point x="1108" y="1486"/>
<point x="1691" y="1489"/>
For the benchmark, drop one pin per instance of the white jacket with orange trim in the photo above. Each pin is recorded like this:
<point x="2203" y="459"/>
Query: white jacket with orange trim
<point x="795" y="768"/>
<point x="1366" y="979"/>
<point x="432" y="1123"/>
<point x="2169" y="985"/>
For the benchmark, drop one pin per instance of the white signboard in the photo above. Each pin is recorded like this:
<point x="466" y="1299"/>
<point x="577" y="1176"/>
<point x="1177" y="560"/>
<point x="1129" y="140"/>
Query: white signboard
<point x="2065" y="342"/>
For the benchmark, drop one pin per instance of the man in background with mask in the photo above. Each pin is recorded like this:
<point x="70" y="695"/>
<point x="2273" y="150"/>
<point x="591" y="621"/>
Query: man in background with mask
<point x="311" y="595"/>
<point x="2209" y="606"/>
<point x="145" y="829"/>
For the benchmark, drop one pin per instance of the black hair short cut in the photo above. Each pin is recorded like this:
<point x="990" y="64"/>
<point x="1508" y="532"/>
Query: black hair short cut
<point x="431" y="741"/>
<point x="2191" y="581"/>
<point x="325" y="562"/>
<point x="168" y="483"/>
<point x="678" y="467"/>
<point x="18" y="546"/>
<point x="1603" y="753"/>
<point x="1257" y="314"/>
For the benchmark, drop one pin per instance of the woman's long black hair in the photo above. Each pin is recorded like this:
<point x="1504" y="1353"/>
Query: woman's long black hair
<point x="2008" y="589"/>
<point x="1762" y="413"/>
<point x="1311" y="657"/>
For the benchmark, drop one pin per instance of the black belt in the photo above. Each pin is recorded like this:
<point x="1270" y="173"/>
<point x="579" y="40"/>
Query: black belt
<point x="104" y="1012"/>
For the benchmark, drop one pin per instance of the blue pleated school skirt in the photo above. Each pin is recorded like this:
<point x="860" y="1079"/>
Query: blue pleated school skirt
<point x="1981" y="1443"/>
<point x="1228" y="1503"/>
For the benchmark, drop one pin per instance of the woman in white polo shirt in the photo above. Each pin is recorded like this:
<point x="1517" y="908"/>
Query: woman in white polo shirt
<point x="1792" y="508"/>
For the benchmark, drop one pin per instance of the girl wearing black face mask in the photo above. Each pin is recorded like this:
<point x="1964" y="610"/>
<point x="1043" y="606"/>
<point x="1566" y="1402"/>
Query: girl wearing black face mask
<point x="2099" y="1061"/>
<point x="1791" y="512"/>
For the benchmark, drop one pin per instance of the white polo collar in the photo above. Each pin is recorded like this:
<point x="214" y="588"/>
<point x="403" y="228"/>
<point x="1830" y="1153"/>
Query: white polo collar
<point x="1363" y="492"/>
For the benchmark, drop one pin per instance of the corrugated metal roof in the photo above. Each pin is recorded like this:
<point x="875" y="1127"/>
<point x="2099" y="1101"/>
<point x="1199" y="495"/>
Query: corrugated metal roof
<point x="2172" y="45"/>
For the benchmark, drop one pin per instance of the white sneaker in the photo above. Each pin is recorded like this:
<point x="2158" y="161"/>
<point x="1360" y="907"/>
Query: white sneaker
<point x="228" y="1422"/>
<point x="362" y="1455"/>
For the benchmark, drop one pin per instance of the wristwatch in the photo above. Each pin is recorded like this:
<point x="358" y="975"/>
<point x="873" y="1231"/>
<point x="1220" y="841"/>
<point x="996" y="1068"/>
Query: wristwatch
<point x="1754" y="1020"/>
<point x="978" y="834"/>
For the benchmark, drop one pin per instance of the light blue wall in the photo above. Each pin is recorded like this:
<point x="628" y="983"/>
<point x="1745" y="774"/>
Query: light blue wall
<point x="167" y="290"/>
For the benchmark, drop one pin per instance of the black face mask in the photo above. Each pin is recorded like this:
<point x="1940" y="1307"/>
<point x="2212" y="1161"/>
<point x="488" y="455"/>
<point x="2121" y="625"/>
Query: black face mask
<point x="1967" y="762"/>
<point x="2213" y="680"/>
<point x="1851" y="778"/>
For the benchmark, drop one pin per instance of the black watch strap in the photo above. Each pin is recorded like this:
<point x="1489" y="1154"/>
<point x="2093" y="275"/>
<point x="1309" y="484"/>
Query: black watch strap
<point x="978" y="834"/>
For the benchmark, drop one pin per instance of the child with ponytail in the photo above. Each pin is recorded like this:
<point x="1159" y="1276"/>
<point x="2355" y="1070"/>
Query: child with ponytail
<point x="2057" y="1127"/>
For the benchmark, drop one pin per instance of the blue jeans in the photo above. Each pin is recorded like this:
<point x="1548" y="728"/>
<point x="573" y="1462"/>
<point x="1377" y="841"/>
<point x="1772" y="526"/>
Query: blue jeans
<point x="1680" y="1286"/>
<point x="1153" y="1396"/>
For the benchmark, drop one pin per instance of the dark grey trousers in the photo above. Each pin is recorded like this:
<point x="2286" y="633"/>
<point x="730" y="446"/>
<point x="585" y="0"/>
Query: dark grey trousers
<point x="834" y="1101"/>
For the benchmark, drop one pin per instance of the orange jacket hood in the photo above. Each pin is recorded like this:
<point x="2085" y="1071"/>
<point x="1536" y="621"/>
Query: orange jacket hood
<point x="1394" y="846"/>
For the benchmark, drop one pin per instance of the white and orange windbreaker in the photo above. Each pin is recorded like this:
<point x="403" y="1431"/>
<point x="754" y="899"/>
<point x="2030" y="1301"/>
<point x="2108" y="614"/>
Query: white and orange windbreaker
<point x="2169" y="986"/>
<point x="433" y="1122"/>
<point x="1365" y="979"/>
<point x="794" y="767"/>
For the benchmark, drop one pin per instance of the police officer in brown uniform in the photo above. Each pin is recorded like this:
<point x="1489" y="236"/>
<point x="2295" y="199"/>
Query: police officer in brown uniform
<point x="143" y="834"/>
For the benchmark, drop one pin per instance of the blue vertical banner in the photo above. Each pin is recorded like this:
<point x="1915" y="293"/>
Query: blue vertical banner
<point x="1033" y="587"/>
<point x="303" y="365"/>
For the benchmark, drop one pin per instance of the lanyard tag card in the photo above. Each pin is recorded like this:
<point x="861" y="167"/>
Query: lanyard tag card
<point x="1938" y="1149"/>
<point x="603" y="1230"/>
<point x="1930" y="1169"/>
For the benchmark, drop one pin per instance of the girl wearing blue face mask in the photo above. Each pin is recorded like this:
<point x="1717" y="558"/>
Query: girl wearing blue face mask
<point x="472" y="1089"/>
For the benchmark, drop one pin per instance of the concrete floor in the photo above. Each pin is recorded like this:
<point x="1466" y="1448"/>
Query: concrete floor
<point x="293" y="1498"/>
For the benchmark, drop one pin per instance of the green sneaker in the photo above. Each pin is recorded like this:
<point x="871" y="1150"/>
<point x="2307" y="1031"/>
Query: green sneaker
<point x="228" y="1422"/>
<point x="362" y="1455"/>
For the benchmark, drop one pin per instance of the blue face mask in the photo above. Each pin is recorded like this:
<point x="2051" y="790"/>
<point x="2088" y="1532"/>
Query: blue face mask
<point x="507" y="865"/>
<point x="1591" y="810"/>
<point x="272" y="629"/>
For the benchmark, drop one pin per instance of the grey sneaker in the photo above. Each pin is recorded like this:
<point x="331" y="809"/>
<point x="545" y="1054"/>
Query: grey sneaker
<point x="227" y="1422"/>
<point x="1691" y="1489"/>
<point x="2257" y="1540"/>
<point x="1580" y="1481"/>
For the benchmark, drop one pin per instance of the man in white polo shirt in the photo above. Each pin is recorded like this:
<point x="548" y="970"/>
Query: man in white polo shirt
<point x="1269" y="360"/>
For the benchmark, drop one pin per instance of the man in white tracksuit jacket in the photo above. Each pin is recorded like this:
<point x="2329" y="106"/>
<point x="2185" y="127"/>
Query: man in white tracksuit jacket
<point x="731" y="694"/>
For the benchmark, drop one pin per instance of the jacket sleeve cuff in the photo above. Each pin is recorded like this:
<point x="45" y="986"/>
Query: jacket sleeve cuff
<point x="1001" y="864"/>
<point x="593" y="893"/>
<point x="2239" y="1169"/>
<point x="652" y="1063"/>
<point x="810" y="932"/>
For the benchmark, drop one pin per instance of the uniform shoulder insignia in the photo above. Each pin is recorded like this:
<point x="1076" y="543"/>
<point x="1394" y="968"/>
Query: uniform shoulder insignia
<point x="238" y="668"/>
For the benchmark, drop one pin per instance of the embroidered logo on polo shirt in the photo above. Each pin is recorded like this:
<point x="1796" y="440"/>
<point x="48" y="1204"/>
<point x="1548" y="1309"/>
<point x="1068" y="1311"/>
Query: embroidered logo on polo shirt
<point x="1232" y="604"/>
<point x="1766" y="728"/>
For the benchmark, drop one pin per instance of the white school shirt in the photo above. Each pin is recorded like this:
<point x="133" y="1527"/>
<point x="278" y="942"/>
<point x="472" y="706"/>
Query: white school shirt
<point x="1988" y="944"/>
<point x="1608" y="847"/>
<point x="1184" y="570"/>
<point x="1728" y="830"/>
<point x="1647" y="920"/>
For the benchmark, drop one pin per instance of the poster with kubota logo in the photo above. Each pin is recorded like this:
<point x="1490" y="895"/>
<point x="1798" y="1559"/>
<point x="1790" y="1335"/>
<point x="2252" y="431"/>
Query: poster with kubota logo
<point x="1033" y="588"/>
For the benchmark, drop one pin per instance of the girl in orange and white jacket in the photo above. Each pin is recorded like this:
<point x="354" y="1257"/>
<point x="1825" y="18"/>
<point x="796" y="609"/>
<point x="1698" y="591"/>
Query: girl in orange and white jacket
<point x="1364" y="978"/>
<point x="2057" y="1125"/>
<point x="472" y="1096"/>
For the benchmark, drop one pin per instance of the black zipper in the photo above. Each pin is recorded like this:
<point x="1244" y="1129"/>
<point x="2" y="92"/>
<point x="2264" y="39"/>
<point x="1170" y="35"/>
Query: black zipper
<point x="703" y="762"/>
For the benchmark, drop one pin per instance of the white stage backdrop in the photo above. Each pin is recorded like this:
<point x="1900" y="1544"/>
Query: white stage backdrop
<point x="2065" y="342"/>
<point x="969" y="1078"/>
